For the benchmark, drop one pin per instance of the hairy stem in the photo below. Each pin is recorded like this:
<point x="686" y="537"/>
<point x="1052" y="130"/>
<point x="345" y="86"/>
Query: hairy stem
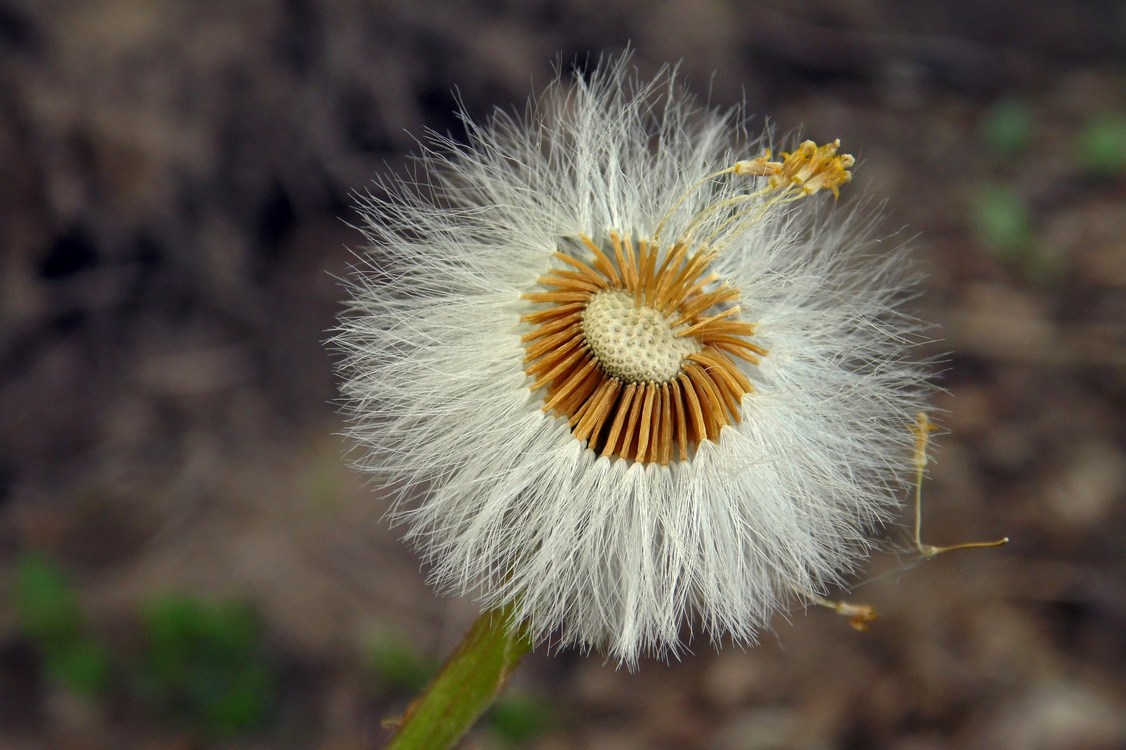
<point x="468" y="683"/>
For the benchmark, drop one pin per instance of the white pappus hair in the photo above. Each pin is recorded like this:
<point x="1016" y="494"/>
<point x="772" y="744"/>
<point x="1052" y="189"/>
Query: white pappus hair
<point x="603" y="547"/>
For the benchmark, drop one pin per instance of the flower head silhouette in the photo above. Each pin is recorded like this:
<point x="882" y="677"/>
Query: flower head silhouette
<point x="620" y="375"/>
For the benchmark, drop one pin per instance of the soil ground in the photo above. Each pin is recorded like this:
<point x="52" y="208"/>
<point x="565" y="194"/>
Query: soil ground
<point x="173" y="185"/>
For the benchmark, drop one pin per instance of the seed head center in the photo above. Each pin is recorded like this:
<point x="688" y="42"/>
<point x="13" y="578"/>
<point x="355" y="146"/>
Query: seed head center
<point x="634" y="342"/>
<point x="638" y="348"/>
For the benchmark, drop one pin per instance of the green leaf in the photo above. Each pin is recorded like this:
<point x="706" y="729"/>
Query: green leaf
<point x="397" y="666"/>
<point x="45" y="603"/>
<point x="49" y="614"/>
<point x="82" y="666"/>
<point x="1007" y="128"/>
<point x="518" y="719"/>
<point x="1001" y="220"/>
<point x="1102" y="146"/>
<point x="207" y="664"/>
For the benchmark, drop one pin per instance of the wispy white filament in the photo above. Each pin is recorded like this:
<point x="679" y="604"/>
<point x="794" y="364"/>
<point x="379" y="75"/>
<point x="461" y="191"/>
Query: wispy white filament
<point x="501" y="499"/>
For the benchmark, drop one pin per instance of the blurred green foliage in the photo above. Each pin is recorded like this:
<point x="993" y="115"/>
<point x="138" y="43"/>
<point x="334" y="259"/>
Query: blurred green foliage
<point x="1001" y="220"/>
<point x="207" y="664"/>
<point x="517" y="718"/>
<point x="1007" y="128"/>
<point x="397" y="666"/>
<point x="1101" y="148"/>
<point x="45" y="602"/>
<point x="1000" y="217"/>
<point x="49" y="615"/>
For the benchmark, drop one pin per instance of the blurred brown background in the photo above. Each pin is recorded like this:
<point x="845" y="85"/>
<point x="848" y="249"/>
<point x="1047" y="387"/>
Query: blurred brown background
<point x="175" y="192"/>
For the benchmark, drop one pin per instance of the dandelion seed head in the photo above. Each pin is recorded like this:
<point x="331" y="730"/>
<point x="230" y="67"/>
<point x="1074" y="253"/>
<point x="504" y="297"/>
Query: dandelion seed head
<point x="625" y="377"/>
<point x="638" y="350"/>
<point x="634" y="343"/>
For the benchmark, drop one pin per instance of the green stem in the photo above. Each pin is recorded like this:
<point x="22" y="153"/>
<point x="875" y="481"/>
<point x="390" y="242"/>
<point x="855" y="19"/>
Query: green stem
<point x="466" y="686"/>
